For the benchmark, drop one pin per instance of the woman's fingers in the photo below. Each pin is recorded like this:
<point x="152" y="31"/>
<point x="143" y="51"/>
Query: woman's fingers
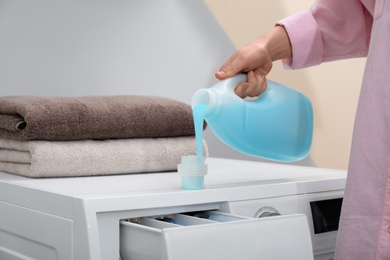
<point x="230" y="68"/>
<point x="255" y="85"/>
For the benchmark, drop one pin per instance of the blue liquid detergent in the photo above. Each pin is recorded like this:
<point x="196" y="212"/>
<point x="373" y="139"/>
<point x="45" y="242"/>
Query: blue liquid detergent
<point x="278" y="125"/>
<point x="199" y="112"/>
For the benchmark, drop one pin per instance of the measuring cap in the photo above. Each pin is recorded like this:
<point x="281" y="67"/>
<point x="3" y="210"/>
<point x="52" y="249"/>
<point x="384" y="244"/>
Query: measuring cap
<point x="192" y="170"/>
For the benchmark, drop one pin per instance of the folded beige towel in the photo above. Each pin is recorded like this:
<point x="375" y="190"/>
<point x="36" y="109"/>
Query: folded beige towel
<point x="94" y="157"/>
<point x="93" y="117"/>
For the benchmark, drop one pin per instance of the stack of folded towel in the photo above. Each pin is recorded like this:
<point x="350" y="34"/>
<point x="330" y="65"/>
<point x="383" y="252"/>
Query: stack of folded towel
<point x="93" y="135"/>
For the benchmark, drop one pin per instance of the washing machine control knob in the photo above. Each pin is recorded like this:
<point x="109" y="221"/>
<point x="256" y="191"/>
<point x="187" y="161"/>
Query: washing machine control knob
<point x="266" y="212"/>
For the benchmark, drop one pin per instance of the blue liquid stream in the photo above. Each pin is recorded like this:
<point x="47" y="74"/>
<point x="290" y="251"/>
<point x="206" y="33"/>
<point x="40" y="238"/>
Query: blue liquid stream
<point x="199" y="112"/>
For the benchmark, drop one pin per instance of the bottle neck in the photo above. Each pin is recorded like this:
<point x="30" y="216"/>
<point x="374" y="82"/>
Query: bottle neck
<point x="205" y="101"/>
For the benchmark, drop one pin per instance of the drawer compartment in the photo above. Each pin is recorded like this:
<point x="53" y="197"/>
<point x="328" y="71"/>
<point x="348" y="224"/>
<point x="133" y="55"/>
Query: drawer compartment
<point x="216" y="235"/>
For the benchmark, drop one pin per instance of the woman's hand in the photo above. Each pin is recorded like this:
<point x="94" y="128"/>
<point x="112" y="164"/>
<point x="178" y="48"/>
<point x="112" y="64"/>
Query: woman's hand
<point x="256" y="59"/>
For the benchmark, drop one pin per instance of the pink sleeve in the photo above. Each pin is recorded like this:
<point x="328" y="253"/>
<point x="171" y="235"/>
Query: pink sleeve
<point x="330" y="30"/>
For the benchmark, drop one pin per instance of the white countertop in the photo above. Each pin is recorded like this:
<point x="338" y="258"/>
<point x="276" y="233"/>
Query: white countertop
<point x="222" y="173"/>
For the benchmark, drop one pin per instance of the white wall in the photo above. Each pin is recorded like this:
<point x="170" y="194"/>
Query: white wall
<point x="332" y="87"/>
<point x="105" y="47"/>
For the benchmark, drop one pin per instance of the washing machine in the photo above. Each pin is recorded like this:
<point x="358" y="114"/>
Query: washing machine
<point x="247" y="210"/>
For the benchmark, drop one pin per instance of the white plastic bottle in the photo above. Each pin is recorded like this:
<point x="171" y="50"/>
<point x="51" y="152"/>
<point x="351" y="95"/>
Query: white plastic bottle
<point x="278" y="125"/>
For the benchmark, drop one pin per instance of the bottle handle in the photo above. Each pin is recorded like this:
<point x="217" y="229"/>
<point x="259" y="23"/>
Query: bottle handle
<point x="231" y="83"/>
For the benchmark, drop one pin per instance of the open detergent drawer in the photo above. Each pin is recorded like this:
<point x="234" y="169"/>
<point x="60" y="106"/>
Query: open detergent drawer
<point x="216" y="235"/>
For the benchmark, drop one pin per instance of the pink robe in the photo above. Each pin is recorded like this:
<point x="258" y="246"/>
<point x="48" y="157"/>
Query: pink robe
<point x="339" y="29"/>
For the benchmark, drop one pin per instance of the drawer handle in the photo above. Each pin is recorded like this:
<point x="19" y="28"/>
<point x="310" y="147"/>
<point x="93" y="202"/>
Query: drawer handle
<point x="265" y="212"/>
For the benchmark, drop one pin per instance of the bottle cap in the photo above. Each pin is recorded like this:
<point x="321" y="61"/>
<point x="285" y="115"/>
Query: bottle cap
<point x="192" y="170"/>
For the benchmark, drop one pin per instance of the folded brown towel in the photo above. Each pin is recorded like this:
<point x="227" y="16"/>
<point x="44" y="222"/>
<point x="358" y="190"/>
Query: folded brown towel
<point x="93" y="117"/>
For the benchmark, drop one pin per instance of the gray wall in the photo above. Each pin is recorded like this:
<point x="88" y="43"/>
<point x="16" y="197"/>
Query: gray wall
<point x="94" y="47"/>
